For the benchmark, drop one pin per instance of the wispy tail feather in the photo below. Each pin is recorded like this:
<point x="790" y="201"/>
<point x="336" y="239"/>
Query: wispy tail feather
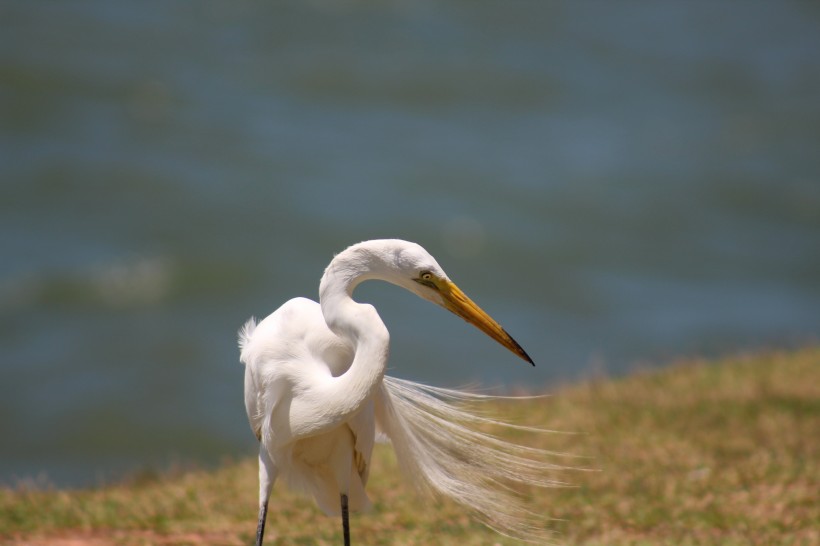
<point x="245" y="335"/>
<point x="435" y="434"/>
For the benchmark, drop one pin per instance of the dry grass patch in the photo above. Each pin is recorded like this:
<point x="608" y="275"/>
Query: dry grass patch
<point x="722" y="452"/>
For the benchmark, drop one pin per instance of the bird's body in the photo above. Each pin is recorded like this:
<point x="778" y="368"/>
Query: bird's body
<point x="317" y="397"/>
<point x="291" y="350"/>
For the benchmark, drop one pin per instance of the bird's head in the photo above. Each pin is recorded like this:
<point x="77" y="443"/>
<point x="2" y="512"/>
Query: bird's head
<point x="419" y="272"/>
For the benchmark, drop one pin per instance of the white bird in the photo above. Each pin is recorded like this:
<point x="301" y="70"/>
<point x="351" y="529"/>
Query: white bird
<point x="317" y="397"/>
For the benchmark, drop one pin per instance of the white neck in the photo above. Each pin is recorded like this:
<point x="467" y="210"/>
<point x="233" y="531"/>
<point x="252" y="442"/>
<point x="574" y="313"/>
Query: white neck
<point x="341" y="397"/>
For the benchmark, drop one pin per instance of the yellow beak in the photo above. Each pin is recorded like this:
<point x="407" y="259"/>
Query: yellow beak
<point x="457" y="302"/>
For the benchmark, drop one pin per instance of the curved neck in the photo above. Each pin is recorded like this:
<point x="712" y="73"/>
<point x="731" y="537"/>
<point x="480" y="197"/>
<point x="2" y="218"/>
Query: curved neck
<point x="338" y="398"/>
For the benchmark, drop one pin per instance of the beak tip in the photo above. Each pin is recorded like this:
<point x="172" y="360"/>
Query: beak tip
<point x="523" y="354"/>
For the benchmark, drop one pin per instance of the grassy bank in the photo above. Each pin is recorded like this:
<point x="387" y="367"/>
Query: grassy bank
<point x="724" y="452"/>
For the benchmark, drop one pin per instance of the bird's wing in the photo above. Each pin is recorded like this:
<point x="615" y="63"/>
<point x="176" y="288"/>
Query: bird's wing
<point x="364" y="433"/>
<point x="292" y="342"/>
<point x="268" y="350"/>
<point x="252" y="399"/>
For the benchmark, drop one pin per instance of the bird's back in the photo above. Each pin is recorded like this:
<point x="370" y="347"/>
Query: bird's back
<point x="291" y="343"/>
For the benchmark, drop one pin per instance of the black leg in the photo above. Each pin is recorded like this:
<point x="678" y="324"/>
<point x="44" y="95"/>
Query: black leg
<point x="345" y="520"/>
<point x="260" y="528"/>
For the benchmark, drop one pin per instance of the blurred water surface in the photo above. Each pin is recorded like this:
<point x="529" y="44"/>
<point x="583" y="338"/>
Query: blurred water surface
<point x="615" y="182"/>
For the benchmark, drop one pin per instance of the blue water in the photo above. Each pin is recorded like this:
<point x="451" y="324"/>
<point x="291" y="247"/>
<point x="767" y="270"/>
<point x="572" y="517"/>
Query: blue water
<point x="619" y="184"/>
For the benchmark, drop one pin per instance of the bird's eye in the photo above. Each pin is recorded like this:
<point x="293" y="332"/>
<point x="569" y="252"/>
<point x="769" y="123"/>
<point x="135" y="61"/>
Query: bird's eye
<point x="427" y="279"/>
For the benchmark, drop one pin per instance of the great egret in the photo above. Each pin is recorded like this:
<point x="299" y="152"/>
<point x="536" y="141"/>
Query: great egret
<point x="317" y="398"/>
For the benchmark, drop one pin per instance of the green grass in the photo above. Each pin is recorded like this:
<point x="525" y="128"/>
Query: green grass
<point x="723" y="452"/>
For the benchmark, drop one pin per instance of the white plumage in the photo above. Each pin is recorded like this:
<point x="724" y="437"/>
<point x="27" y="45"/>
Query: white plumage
<point x="317" y="398"/>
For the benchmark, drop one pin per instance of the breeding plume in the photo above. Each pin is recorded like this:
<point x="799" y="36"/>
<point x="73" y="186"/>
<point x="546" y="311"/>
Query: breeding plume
<point x="317" y="399"/>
